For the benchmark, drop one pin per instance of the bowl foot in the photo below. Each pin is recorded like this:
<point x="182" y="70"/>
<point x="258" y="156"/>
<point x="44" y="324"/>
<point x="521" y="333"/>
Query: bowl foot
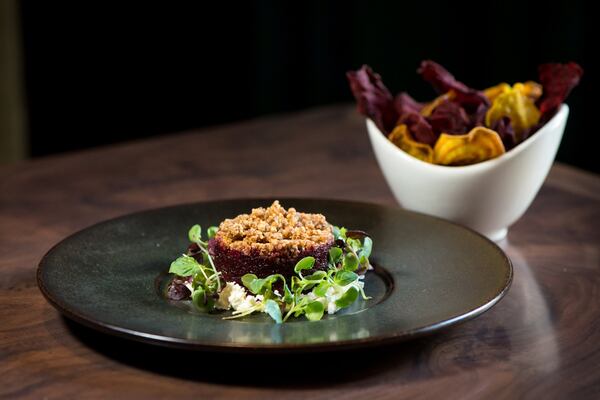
<point x="497" y="235"/>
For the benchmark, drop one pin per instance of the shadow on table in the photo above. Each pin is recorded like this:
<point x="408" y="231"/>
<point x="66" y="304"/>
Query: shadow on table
<point x="302" y="371"/>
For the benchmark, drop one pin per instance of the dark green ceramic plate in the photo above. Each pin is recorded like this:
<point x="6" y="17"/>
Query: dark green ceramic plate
<point x="429" y="274"/>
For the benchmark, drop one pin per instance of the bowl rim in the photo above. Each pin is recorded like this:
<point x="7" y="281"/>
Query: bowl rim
<point x="561" y="114"/>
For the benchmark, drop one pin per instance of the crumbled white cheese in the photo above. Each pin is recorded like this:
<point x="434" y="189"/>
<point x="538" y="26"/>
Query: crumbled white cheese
<point x="248" y="302"/>
<point x="311" y="296"/>
<point x="331" y="307"/>
<point x="234" y="296"/>
<point x="237" y="295"/>
<point x="331" y="296"/>
<point x="223" y="301"/>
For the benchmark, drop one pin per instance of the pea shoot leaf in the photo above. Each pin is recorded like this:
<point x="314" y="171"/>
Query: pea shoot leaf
<point x="184" y="266"/>
<point x="314" y="311"/>
<point x="350" y="262"/>
<point x="212" y="231"/>
<point x="347" y="298"/>
<point x="335" y="254"/>
<point x="339" y="233"/>
<point x="321" y="289"/>
<point x="317" y="276"/>
<point x="199" y="298"/>
<point x="305" y="263"/>
<point x="248" y="279"/>
<point x="195" y="234"/>
<point x="288" y="297"/>
<point x="367" y="247"/>
<point x="272" y="308"/>
<point x="344" y="277"/>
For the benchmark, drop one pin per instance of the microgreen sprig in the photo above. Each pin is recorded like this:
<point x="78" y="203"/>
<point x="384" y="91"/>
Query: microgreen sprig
<point x="195" y="236"/>
<point x="205" y="279"/>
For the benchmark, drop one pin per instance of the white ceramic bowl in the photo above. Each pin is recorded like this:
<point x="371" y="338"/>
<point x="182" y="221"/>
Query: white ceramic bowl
<point x="488" y="196"/>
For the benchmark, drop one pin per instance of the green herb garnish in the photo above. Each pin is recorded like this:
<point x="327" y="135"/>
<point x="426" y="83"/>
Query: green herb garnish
<point x="309" y="293"/>
<point x="206" y="283"/>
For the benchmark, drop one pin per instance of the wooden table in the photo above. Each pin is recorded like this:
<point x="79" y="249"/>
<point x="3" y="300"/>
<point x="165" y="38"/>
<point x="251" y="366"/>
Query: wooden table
<point x="542" y="341"/>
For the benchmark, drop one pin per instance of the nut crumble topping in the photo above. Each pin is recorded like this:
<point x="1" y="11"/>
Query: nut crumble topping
<point x="275" y="229"/>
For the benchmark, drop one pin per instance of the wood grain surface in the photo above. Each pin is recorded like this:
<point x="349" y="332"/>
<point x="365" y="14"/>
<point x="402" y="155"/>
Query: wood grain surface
<point x="542" y="341"/>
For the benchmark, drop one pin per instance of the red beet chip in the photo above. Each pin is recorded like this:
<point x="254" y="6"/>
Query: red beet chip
<point x="557" y="81"/>
<point x="478" y="116"/>
<point x="419" y="128"/>
<point x="471" y="100"/>
<point x="443" y="81"/>
<point x="405" y="104"/>
<point x="449" y="117"/>
<point x="506" y="132"/>
<point x="374" y="100"/>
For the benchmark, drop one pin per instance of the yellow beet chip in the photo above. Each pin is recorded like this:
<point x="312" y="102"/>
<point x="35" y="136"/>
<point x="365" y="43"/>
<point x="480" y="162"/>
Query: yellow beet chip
<point x="402" y="139"/>
<point x="476" y="146"/>
<point x="494" y="91"/>
<point x="518" y="107"/>
<point x="531" y="89"/>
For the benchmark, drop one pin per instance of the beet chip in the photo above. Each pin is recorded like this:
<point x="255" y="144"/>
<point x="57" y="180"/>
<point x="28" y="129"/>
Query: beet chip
<point x="402" y="139"/>
<point x="449" y="117"/>
<point x="441" y="80"/>
<point x="517" y="106"/>
<point x="471" y="100"/>
<point x="478" y="117"/>
<point x="374" y="100"/>
<point x="478" y="145"/>
<point x="419" y="128"/>
<point x="405" y="104"/>
<point x="557" y="80"/>
<point x="506" y="132"/>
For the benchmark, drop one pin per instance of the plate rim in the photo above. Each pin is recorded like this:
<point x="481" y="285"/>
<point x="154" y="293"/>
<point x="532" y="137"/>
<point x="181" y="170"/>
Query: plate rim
<point x="233" y="347"/>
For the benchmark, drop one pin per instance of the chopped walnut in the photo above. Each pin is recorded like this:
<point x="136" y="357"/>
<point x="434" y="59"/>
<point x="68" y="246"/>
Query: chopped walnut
<point x="275" y="229"/>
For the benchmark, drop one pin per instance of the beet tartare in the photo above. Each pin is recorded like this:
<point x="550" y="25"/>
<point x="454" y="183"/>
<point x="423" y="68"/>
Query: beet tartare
<point x="270" y="241"/>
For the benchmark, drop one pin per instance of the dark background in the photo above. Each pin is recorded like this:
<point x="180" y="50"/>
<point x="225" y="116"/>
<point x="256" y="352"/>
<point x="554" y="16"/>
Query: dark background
<point x="100" y="72"/>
